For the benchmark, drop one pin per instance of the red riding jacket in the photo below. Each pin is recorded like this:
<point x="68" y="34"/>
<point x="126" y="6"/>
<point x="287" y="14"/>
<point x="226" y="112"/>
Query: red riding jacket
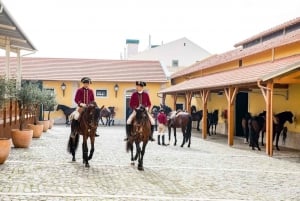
<point x="138" y="99"/>
<point x="84" y="95"/>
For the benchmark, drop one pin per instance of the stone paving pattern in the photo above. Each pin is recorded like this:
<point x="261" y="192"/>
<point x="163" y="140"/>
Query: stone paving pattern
<point x="209" y="170"/>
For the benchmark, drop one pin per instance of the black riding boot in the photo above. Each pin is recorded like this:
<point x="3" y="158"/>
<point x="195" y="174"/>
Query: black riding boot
<point x="158" y="139"/>
<point x="151" y="135"/>
<point x="128" y="131"/>
<point x="163" y="140"/>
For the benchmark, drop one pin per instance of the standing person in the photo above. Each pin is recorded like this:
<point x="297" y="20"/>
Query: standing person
<point x="139" y="97"/>
<point x="84" y="95"/>
<point x="162" y="122"/>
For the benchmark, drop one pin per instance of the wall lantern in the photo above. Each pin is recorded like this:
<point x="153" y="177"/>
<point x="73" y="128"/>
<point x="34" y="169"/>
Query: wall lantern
<point x="116" y="88"/>
<point x="63" y="87"/>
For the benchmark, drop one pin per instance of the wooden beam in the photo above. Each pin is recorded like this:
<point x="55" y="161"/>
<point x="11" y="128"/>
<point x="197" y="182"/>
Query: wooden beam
<point x="231" y="93"/>
<point x="204" y="96"/>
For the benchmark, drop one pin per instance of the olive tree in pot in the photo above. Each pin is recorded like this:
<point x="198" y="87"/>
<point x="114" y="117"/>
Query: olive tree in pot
<point x="7" y="92"/>
<point x="26" y="97"/>
<point x="37" y="99"/>
<point x="49" y="102"/>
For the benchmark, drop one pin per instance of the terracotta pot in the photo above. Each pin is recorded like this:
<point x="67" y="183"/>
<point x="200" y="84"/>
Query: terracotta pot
<point x="21" y="138"/>
<point x="5" y="145"/>
<point x="37" y="129"/>
<point x="46" y="124"/>
<point x="51" y="123"/>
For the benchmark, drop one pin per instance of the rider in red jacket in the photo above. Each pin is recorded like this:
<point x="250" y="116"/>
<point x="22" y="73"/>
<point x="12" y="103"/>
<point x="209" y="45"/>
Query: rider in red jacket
<point x="85" y="95"/>
<point x="139" y="97"/>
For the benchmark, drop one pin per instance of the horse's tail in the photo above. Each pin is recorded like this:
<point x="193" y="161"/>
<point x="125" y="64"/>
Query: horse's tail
<point x="73" y="143"/>
<point x="128" y="146"/>
<point x="189" y="127"/>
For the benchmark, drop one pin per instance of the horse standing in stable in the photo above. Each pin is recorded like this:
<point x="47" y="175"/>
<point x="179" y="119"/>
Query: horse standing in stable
<point x="141" y="131"/>
<point x="212" y="119"/>
<point x="196" y="116"/>
<point x="181" y="120"/>
<point x="86" y="126"/>
<point x="278" y="125"/>
<point x="66" y="110"/>
<point x="256" y="125"/>
<point x="109" y="114"/>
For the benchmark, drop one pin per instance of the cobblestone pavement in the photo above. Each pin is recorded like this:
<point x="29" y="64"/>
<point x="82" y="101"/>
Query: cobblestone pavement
<point x="209" y="170"/>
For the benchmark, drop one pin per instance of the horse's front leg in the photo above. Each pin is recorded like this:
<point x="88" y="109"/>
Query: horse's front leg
<point x="92" y="148"/>
<point x="277" y="139"/>
<point x="85" y="151"/>
<point x="141" y="157"/>
<point x="198" y="125"/>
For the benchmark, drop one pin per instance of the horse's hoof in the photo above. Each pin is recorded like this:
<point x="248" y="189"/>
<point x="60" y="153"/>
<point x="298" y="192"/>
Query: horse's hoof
<point x="87" y="165"/>
<point x="259" y="149"/>
<point x="141" y="168"/>
<point x="132" y="163"/>
<point x="181" y="145"/>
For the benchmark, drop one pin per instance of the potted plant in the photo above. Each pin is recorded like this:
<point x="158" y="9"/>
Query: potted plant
<point x="7" y="92"/>
<point x="37" y="98"/>
<point x="49" y="103"/>
<point x="26" y="97"/>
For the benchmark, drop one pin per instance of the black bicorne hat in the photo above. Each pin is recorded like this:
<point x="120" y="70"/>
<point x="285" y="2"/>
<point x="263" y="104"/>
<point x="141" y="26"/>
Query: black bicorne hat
<point x="140" y="83"/>
<point x="86" y="80"/>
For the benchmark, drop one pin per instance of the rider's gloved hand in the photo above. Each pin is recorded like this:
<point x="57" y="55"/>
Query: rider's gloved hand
<point x="82" y="104"/>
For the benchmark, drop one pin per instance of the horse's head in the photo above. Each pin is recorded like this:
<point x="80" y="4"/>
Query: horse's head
<point x="193" y="109"/>
<point x="141" y="114"/>
<point x="166" y="108"/>
<point x="91" y="115"/>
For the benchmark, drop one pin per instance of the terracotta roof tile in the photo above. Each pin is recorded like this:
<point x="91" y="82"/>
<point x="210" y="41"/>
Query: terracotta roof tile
<point x="239" y="53"/>
<point x="240" y="76"/>
<point x="98" y="70"/>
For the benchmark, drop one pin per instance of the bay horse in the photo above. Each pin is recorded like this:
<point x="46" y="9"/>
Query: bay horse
<point x="86" y="126"/>
<point x="212" y="119"/>
<point x="196" y="116"/>
<point x="109" y="114"/>
<point x="140" y="133"/>
<point x="181" y="120"/>
<point x="66" y="110"/>
<point x="278" y="125"/>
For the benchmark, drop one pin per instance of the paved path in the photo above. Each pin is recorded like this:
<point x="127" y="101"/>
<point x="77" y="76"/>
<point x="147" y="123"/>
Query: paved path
<point x="209" y="170"/>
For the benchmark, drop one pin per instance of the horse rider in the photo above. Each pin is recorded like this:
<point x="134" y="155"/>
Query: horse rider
<point x="162" y="122"/>
<point x="84" y="96"/>
<point x="139" y="97"/>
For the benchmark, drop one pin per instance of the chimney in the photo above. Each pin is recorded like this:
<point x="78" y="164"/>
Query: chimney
<point x="132" y="47"/>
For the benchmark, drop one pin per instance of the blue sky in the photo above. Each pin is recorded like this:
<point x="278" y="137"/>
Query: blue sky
<point x="99" y="29"/>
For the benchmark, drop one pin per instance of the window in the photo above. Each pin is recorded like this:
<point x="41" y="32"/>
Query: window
<point x="101" y="93"/>
<point x="174" y="63"/>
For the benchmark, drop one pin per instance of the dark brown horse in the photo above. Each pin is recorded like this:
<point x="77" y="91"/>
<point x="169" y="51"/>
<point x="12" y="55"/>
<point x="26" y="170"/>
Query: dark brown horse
<point x="278" y="125"/>
<point x="141" y="130"/>
<point x="109" y="114"/>
<point x="86" y="126"/>
<point x="181" y="120"/>
<point x="196" y="116"/>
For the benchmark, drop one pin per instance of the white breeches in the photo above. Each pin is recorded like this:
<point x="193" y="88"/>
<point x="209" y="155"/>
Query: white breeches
<point x="74" y="115"/>
<point x="132" y="115"/>
<point x="161" y="129"/>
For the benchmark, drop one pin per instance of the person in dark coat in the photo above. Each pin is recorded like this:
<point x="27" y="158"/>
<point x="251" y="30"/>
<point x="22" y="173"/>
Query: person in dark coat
<point x="139" y="97"/>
